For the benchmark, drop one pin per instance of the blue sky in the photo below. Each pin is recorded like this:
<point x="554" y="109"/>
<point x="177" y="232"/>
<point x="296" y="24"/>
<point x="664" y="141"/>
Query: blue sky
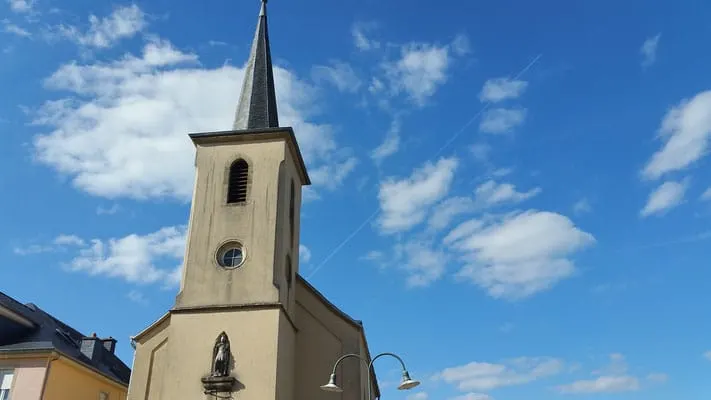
<point x="515" y="196"/>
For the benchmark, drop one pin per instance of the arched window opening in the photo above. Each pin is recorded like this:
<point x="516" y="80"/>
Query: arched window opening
<point x="292" y="211"/>
<point x="237" y="184"/>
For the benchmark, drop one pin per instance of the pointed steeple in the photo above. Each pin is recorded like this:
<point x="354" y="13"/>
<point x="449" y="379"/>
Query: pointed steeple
<point x="257" y="103"/>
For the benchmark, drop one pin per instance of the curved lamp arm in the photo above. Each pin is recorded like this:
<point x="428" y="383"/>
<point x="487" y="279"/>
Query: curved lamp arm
<point x="406" y="383"/>
<point x="338" y="362"/>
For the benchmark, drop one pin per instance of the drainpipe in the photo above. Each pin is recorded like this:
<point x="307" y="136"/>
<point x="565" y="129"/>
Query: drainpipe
<point x="52" y="357"/>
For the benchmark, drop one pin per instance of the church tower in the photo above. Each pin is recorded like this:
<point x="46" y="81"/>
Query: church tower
<point x="243" y="242"/>
<point x="232" y="328"/>
<point x="245" y="324"/>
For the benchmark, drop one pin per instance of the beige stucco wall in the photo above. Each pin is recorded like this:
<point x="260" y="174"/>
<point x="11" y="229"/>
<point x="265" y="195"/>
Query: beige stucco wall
<point x="214" y="222"/>
<point x="284" y="343"/>
<point x="149" y="362"/>
<point x="261" y="224"/>
<point x="29" y="375"/>
<point x="184" y="354"/>
<point x="323" y="337"/>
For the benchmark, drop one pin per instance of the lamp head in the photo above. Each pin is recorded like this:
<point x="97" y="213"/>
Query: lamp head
<point x="407" y="383"/>
<point x="331" y="385"/>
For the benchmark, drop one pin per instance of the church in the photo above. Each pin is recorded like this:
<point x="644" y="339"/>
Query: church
<point x="245" y="324"/>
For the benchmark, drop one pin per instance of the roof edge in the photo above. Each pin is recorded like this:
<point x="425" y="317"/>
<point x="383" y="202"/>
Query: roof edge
<point x="150" y="327"/>
<point x="255" y="134"/>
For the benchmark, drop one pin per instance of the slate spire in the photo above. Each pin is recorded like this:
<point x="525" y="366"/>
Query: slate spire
<point x="257" y="104"/>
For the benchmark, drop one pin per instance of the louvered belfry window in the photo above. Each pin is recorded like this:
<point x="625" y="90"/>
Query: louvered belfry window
<point x="237" y="186"/>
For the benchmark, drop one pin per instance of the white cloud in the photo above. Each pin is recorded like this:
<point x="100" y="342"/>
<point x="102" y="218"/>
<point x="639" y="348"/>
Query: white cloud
<point x="339" y="74"/>
<point x="361" y="41"/>
<point x="137" y="297"/>
<point x="444" y="212"/>
<point x="603" y="384"/>
<point x="520" y="254"/>
<point x="331" y="176"/>
<point x="473" y="396"/>
<point x="707" y="355"/>
<point x="418" y="396"/>
<point x="613" y="378"/>
<point x="486" y="195"/>
<point x="21" y="6"/>
<point x="649" y="50"/>
<point x="151" y="258"/>
<point x="502" y="120"/>
<point x="60" y="243"/>
<point x="686" y="131"/>
<point x="124" y="22"/>
<point x="304" y="254"/>
<point x="500" y="89"/>
<point x="404" y="203"/>
<point x="616" y="366"/>
<point x="706" y="195"/>
<point x="460" y="45"/>
<point x="490" y="193"/>
<point x="108" y="211"/>
<point x="667" y="196"/>
<point x="483" y="376"/>
<point x="68" y="240"/>
<point x="421" y="69"/>
<point x="13" y="29"/>
<point x="422" y="262"/>
<point x="582" y="206"/>
<point x="390" y="145"/>
<point x="480" y="151"/>
<point x="123" y="130"/>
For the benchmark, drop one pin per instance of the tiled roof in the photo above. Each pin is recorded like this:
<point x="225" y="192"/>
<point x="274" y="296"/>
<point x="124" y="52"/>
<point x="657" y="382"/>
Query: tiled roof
<point x="48" y="334"/>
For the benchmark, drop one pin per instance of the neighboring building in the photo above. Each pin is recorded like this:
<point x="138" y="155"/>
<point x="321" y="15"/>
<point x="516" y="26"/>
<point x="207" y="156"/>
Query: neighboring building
<point x="245" y="324"/>
<point x="43" y="358"/>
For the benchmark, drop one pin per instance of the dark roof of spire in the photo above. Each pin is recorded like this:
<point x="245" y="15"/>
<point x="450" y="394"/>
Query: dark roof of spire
<point x="257" y="103"/>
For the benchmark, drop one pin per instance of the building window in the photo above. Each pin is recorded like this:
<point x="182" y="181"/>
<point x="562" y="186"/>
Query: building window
<point x="237" y="184"/>
<point x="292" y="211"/>
<point x="103" y="396"/>
<point x="230" y="255"/>
<point x="5" y="384"/>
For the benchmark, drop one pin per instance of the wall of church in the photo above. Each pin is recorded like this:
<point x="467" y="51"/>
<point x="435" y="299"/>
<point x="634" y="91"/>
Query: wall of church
<point x="252" y="223"/>
<point x="324" y="336"/>
<point x="286" y="356"/>
<point x="191" y="336"/>
<point x="149" y="363"/>
<point x="288" y="236"/>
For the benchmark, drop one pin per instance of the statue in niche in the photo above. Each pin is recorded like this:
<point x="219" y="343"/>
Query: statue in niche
<point x="221" y="356"/>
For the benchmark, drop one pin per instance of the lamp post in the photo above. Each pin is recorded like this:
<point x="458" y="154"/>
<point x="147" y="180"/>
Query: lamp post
<point x="406" y="382"/>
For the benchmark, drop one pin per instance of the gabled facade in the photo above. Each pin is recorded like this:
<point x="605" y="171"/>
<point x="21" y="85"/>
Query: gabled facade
<point x="44" y="358"/>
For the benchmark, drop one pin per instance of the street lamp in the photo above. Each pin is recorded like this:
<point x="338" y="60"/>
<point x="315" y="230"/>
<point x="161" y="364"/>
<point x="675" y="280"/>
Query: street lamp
<point x="406" y="382"/>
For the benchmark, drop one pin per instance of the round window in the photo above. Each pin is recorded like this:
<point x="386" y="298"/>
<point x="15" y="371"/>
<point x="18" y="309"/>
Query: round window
<point x="231" y="255"/>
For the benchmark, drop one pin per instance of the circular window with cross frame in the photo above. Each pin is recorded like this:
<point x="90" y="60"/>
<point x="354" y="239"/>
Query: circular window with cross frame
<point x="230" y="255"/>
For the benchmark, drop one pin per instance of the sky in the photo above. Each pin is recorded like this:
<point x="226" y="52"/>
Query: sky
<point x="514" y="196"/>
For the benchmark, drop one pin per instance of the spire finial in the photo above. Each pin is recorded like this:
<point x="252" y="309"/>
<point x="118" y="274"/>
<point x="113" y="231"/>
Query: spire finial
<point x="257" y="103"/>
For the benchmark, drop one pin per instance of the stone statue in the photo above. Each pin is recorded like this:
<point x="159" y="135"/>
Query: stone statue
<point x="221" y="356"/>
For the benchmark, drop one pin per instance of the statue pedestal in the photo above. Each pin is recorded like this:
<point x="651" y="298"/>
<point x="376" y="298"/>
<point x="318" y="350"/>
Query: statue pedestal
<point x="221" y="384"/>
